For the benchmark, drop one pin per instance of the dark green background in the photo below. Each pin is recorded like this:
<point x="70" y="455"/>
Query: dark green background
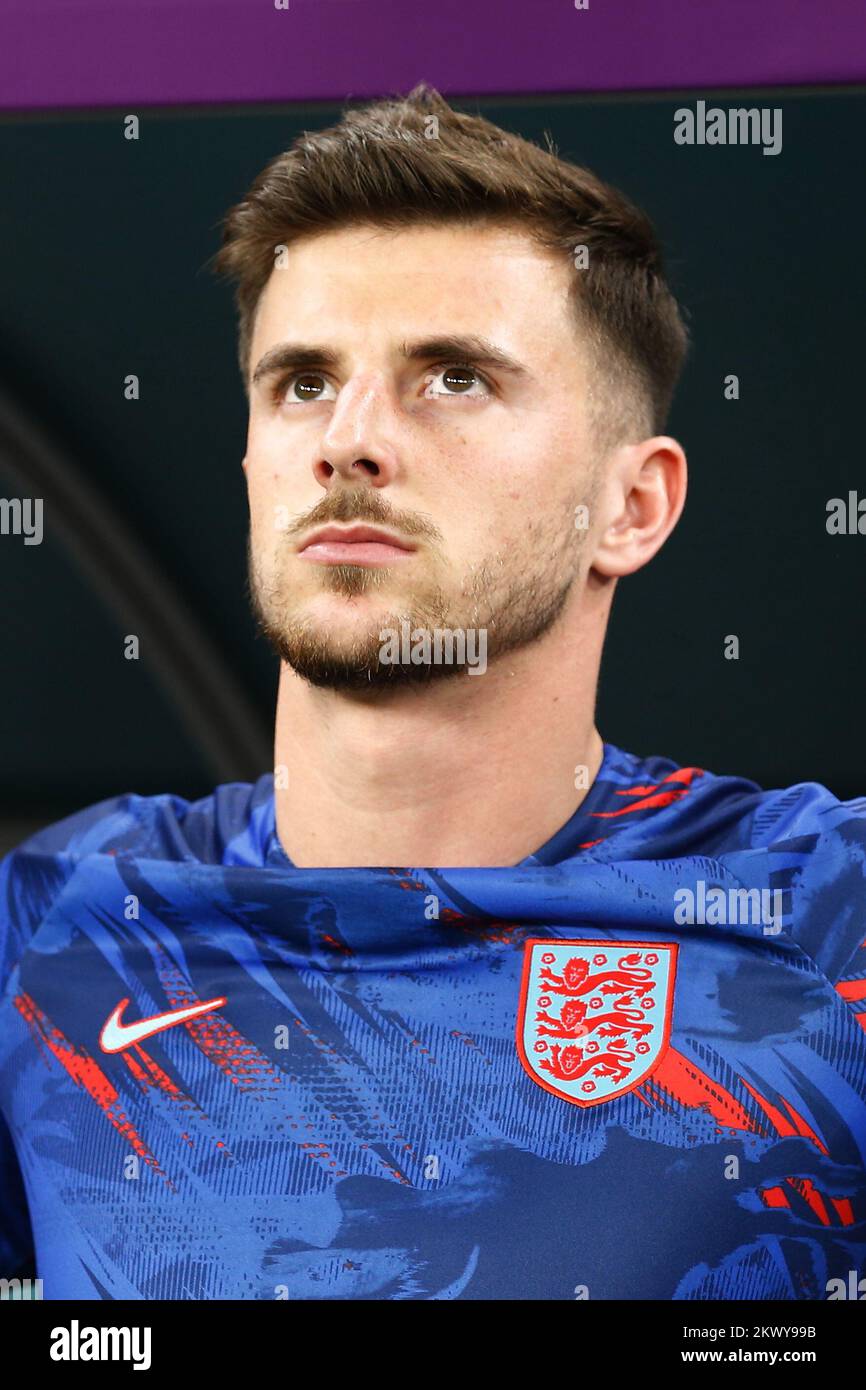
<point x="103" y="272"/>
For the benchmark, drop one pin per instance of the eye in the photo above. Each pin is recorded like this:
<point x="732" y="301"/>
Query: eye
<point x="304" y="386"/>
<point x="458" y="379"/>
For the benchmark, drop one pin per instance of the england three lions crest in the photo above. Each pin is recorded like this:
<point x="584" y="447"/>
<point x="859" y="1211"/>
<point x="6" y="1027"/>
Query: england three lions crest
<point x="594" y="1016"/>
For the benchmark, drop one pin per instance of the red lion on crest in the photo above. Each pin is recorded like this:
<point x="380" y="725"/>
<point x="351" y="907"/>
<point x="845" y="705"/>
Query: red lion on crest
<point x="568" y="1063"/>
<point x="572" y="1021"/>
<point x="576" y="979"/>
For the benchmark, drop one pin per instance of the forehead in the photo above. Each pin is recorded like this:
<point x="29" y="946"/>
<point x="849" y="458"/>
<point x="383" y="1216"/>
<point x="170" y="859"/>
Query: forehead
<point x="362" y="281"/>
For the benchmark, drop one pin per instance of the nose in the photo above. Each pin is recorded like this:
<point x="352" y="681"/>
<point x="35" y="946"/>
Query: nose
<point x="359" y="444"/>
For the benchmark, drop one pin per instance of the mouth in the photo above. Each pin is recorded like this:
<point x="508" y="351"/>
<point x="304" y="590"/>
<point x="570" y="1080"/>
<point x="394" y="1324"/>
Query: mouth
<point x="354" y="545"/>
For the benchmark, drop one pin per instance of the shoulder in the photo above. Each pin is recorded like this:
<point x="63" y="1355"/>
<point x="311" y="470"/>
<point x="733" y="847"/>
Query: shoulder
<point x="803" y="842"/>
<point x="696" y="810"/>
<point x="768" y="816"/>
<point x="164" y="826"/>
<point x="228" y="826"/>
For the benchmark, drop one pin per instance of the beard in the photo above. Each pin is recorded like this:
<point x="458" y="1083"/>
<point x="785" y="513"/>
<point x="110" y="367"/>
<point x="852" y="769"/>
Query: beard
<point x="512" y="596"/>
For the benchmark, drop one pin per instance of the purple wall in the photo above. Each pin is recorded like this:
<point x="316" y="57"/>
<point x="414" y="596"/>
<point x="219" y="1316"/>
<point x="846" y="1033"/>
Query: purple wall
<point x="133" y="53"/>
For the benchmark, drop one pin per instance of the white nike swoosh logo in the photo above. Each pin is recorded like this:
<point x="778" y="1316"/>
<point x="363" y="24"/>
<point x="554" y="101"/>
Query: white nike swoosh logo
<point x="117" y="1036"/>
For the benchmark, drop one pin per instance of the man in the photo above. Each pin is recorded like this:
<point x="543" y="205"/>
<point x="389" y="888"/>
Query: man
<point x="265" y="1045"/>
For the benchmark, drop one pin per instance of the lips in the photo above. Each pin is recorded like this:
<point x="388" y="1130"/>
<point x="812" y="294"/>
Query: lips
<point x="354" y="545"/>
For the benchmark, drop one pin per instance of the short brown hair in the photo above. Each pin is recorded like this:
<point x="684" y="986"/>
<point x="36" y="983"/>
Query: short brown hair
<point x="415" y="160"/>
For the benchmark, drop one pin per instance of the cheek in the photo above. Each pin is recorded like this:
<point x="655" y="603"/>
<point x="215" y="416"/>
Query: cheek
<point x="260" y="486"/>
<point x="267" y="470"/>
<point x="266" y="503"/>
<point x="266" y="442"/>
<point x="275" y="473"/>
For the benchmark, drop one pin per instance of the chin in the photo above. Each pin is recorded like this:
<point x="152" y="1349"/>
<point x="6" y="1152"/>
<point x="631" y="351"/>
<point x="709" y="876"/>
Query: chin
<point x="339" y="620"/>
<point x="331" y="669"/>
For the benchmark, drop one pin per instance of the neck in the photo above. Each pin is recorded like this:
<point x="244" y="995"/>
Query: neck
<point x="470" y="770"/>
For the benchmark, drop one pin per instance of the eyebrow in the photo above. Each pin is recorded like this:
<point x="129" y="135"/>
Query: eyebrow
<point x="456" y="347"/>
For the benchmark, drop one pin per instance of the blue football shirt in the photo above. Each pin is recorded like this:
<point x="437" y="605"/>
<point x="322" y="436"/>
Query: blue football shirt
<point x="631" y="1066"/>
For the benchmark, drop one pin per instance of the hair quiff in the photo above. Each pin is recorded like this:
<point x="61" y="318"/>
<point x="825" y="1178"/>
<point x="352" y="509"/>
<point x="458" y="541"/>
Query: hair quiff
<point x="415" y="160"/>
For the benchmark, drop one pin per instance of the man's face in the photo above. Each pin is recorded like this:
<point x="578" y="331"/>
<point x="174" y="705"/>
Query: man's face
<point x="473" y="455"/>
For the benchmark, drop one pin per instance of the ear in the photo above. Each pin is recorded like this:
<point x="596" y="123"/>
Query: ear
<point x="641" y="500"/>
<point x="244" y="463"/>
